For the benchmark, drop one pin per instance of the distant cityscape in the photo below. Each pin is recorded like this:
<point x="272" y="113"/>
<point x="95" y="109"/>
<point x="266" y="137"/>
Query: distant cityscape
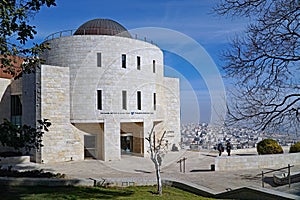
<point x="204" y="136"/>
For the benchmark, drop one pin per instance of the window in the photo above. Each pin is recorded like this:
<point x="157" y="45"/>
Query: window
<point x="154" y="101"/>
<point x="139" y="100"/>
<point x="99" y="99"/>
<point x="16" y="106"/>
<point x="98" y="59"/>
<point x="16" y="109"/>
<point x="123" y="60"/>
<point x="153" y="64"/>
<point x="138" y="62"/>
<point x="124" y="100"/>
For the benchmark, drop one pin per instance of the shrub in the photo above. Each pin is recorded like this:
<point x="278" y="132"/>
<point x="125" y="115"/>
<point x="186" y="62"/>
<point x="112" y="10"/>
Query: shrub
<point x="23" y="137"/>
<point x="268" y="146"/>
<point x="295" y="148"/>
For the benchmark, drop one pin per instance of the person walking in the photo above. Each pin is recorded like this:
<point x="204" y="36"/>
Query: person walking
<point x="220" y="148"/>
<point x="228" y="148"/>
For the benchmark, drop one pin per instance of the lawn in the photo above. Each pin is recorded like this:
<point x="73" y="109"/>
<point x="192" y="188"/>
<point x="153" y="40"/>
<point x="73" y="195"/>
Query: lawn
<point x="38" y="192"/>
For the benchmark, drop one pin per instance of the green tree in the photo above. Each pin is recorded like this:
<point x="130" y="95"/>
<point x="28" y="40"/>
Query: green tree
<point x="23" y="137"/>
<point x="264" y="64"/>
<point x="15" y="32"/>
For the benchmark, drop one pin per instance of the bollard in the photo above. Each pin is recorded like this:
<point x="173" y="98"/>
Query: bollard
<point x="179" y="161"/>
<point x="180" y="166"/>
<point x="262" y="179"/>
<point x="184" y="159"/>
<point x="289" y="174"/>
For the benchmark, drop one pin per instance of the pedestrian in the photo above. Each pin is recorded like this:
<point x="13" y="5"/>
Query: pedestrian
<point x="220" y="148"/>
<point x="228" y="148"/>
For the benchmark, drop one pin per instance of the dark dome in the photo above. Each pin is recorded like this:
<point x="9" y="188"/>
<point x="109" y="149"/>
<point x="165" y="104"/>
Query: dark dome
<point x="102" y="27"/>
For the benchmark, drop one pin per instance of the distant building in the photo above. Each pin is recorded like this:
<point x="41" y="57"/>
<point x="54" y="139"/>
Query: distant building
<point x="102" y="91"/>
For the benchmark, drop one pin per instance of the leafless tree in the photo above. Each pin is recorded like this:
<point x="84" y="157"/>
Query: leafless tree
<point x="157" y="148"/>
<point x="264" y="64"/>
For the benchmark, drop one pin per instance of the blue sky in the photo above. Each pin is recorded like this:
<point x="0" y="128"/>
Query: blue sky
<point x="192" y="18"/>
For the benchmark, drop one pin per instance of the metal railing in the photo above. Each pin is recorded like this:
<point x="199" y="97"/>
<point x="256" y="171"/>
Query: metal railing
<point x="288" y="176"/>
<point x="60" y="34"/>
<point x="182" y="161"/>
<point x="71" y="32"/>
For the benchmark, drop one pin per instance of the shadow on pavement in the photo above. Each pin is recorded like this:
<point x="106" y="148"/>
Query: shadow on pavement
<point x="142" y="171"/>
<point x="209" y="155"/>
<point x="201" y="170"/>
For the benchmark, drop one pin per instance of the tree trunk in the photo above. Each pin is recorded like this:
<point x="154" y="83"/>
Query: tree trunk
<point x="158" y="178"/>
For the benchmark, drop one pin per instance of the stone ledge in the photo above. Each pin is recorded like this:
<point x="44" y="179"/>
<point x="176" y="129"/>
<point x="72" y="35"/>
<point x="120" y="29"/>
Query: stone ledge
<point x="190" y="187"/>
<point x="50" y="182"/>
<point x="249" y="193"/>
<point x="14" y="160"/>
<point x="229" y="163"/>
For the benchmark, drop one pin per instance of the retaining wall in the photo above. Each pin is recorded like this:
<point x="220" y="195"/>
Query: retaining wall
<point x="14" y="160"/>
<point x="50" y="182"/>
<point x="243" y="193"/>
<point x="229" y="163"/>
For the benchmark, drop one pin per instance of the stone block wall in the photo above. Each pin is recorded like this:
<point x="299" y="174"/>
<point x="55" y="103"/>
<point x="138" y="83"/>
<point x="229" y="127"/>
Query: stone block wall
<point x="8" y="87"/>
<point x="172" y="111"/>
<point x="29" y="99"/>
<point x="63" y="142"/>
<point x="5" y="98"/>
<point x="112" y="141"/>
<point x="230" y="163"/>
<point x="78" y="54"/>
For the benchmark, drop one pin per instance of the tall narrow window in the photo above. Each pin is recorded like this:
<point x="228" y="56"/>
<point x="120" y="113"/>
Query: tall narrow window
<point x="16" y="109"/>
<point x="124" y="100"/>
<point x="138" y="62"/>
<point x="123" y="60"/>
<point x="99" y="99"/>
<point x="154" y="101"/>
<point x="139" y="100"/>
<point x="153" y="65"/>
<point x="99" y="60"/>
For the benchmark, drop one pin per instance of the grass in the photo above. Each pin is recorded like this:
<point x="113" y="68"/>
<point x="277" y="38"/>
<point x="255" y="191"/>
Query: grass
<point x="145" y="192"/>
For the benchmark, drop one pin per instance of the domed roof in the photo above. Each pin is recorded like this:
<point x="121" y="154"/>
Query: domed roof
<point x="102" y="27"/>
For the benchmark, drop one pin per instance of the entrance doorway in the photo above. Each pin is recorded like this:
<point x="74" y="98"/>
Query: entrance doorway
<point x="90" y="147"/>
<point x="132" y="138"/>
<point x="126" y="143"/>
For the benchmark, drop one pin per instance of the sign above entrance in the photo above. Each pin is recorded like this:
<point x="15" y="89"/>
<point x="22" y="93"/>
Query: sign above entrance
<point x="126" y="113"/>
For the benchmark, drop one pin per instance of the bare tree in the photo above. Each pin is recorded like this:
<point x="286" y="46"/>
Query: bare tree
<point x="157" y="148"/>
<point x="264" y="64"/>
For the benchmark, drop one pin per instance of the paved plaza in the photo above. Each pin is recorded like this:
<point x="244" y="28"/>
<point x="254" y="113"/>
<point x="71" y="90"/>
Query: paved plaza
<point x="141" y="170"/>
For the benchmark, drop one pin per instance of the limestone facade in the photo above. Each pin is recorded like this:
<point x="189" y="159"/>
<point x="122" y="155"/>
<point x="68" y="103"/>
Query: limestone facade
<point x="102" y="94"/>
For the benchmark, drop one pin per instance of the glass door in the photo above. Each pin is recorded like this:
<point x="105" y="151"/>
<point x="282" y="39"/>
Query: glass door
<point x="126" y="143"/>
<point x="90" y="147"/>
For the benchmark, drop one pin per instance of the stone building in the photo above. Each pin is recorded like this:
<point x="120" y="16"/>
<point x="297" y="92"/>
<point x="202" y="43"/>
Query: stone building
<point x="102" y="90"/>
